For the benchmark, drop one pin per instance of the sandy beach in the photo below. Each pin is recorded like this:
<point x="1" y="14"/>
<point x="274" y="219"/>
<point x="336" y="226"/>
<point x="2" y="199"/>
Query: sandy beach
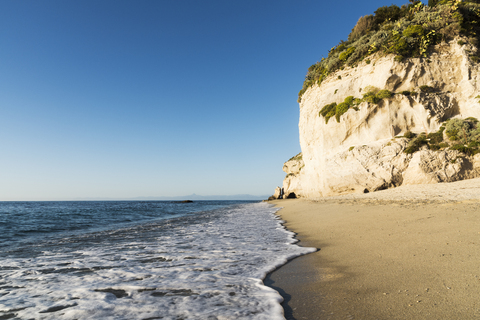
<point x="411" y="252"/>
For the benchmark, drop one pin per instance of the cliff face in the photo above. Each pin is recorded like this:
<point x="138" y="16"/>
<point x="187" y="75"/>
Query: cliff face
<point x="364" y="151"/>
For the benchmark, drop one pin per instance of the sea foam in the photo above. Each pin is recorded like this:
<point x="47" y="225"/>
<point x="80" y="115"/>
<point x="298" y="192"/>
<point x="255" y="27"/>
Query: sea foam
<point x="207" y="265"/>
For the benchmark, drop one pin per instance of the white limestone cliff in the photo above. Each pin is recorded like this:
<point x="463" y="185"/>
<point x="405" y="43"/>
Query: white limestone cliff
<point x="361" y="153"/>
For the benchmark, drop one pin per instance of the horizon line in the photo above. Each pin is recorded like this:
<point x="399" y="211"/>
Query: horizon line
<point x="156" y="198"/>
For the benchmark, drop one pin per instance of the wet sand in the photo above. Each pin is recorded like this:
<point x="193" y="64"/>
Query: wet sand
<point x="407" y="253"/>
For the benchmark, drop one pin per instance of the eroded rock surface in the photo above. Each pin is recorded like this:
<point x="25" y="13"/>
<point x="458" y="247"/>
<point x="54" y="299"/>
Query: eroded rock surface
<point x="292" y="182"/>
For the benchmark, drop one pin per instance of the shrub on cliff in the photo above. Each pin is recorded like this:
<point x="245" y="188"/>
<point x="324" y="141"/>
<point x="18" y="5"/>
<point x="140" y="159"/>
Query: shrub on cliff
<point x="413" y="31"/>
<point x="416" y="144"/>
<point x="346" y="53"/>
<point x="328" y="111"/>
<point x="384" y="94"/>
<point x="350" y="100"/>
<point x="409" y="135"/>
<point x="463" y="149"/>
<point x="464" y="131"/>
<point x="371" y="97"/>
<point x="364" y="25"/>
<point x="390" y="14"/>
<point x="427" y="89"/>
<point x="330" y="114"/>
<point x="374" y="95"/>
<point x="341" y="109"/>
<point x="436" y="137"/>
<point x="457" y="129"/>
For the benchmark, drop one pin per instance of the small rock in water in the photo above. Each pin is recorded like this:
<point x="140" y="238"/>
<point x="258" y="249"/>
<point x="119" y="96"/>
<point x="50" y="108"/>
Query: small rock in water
<point x="119" y="293"/>
<point x="158" y="294"/>
<point x="57" y="308"/>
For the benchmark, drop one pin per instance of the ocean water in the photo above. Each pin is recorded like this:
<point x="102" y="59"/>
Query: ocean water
<point x="141" y="260"/>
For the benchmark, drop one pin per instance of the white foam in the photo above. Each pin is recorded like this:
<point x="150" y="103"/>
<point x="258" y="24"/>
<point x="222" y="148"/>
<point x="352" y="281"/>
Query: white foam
<point x="211" y="269"/>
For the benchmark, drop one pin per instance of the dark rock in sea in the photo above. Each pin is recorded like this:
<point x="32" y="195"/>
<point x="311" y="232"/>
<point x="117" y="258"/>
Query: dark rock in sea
<point x="146" y="289"/>
<point x="174" y="292"/>
<point x="158" y="294"/>
<point x="57" y="308"/>
<point x="158" y="259"/>
<point x="183" y="292"/>
<point x="119" y="293"/>
<point x="186" y="201"/>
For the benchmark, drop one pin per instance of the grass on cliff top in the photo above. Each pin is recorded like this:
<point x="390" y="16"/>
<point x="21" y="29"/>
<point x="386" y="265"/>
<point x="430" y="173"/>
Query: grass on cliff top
<point x="407" y="31"/>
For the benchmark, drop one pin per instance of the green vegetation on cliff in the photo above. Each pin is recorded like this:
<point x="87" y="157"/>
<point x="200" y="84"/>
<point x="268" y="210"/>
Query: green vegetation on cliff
<point x="463" y="135"/>
<point x="298" y="157"/>
<point x="372" y="95"/>
<point x="407" y="31"/>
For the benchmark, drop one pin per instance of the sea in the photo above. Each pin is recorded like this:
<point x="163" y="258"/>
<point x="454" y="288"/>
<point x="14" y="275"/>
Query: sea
<point x="141" y="260"/>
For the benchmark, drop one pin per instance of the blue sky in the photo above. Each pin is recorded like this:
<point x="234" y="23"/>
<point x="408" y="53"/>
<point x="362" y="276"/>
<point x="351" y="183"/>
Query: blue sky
<point x="122" y="99"/>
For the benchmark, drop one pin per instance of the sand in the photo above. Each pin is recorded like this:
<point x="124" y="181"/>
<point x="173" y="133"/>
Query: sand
<point x="407" y="253"/>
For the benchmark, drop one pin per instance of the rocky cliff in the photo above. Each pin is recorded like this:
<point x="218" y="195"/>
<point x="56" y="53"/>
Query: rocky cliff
<point x="367" y="147"/>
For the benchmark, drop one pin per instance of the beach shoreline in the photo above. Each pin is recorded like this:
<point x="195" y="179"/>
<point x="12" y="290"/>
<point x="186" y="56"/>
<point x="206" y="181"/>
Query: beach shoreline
<point x="407" y="253"/>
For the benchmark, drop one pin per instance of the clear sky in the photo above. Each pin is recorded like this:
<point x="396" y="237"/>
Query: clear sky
<point x="122" y="99"/>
